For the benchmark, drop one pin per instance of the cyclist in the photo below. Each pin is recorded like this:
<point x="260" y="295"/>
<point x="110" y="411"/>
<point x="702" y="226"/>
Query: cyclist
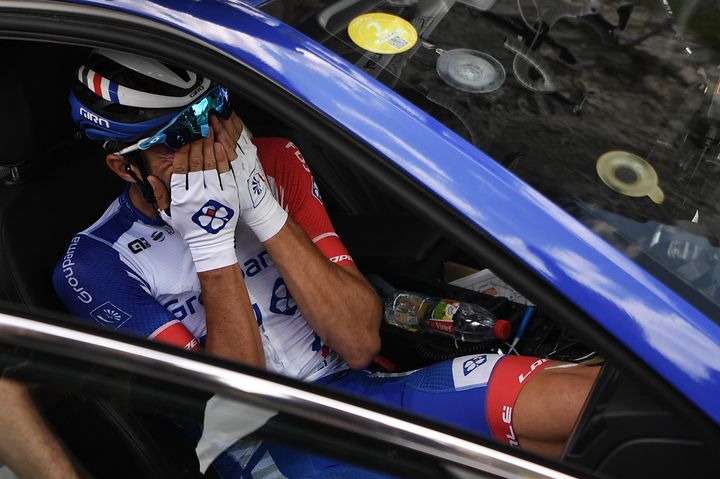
<point x="221" y="241"/>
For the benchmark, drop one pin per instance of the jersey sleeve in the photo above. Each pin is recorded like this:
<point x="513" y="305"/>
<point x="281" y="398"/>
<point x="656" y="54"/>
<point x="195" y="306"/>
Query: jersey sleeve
<point x="296" y="190"/>
<point x="95" y="284"/>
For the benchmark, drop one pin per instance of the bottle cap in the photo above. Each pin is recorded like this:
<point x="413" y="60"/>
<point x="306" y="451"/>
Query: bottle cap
<point x="502" y="329"/>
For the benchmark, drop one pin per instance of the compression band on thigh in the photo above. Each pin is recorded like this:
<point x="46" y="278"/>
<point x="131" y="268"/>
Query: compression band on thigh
<point x="508" y="378"/>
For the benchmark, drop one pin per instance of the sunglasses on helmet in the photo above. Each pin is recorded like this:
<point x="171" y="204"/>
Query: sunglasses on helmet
<point x="192" y="123"/>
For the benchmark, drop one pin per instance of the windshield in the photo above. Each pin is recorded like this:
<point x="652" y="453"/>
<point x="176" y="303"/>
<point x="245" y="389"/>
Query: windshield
<point x="609" y="108"/>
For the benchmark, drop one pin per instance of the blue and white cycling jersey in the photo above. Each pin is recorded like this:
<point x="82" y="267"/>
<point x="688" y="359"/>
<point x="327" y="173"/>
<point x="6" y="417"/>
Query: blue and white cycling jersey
<point x="132" y="273"/>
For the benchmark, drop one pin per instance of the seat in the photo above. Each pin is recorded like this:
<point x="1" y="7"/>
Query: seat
<point x="35" y="141"/>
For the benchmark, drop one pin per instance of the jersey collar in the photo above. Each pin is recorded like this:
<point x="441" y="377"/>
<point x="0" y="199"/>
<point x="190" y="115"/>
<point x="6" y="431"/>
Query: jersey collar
<point x="135" y="214"/>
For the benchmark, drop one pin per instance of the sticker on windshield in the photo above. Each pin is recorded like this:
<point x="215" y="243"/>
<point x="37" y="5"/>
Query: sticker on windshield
<point x="382" y="33"/>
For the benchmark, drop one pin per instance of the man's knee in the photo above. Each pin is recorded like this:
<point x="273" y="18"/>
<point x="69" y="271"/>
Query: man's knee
<point x="550" y="403"/>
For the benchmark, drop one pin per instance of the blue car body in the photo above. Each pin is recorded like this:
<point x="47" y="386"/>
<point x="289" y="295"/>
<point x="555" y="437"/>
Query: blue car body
<point x="651" y="320"/>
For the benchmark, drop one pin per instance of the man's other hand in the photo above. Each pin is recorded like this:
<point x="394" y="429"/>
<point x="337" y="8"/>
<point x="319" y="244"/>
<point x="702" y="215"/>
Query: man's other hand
<point x="258" y="207"/>
<point x="203" y="202"/>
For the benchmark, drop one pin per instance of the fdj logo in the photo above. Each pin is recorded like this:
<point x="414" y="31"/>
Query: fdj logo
<point x="138" y="245"/>
<point x="473" y="363"/>
<point x="257" y="187"/>
<point x="213" y="216"/>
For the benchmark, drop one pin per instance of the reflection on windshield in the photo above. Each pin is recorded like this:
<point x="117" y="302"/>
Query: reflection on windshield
<point x="610" y="108"/>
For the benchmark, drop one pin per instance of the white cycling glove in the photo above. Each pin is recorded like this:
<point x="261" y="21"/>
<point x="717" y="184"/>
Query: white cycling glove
<point x="258" y="207"/>
<point x="204" y="211"/>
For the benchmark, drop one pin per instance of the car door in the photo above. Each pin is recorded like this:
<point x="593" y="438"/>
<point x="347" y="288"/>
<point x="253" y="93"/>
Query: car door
<point x="120" y="405"/>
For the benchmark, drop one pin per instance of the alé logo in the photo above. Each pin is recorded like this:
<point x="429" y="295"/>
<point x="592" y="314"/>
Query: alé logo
<point x="213" y="216"/>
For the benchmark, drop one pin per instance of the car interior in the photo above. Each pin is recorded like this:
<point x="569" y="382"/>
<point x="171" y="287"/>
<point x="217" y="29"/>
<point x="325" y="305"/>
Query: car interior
<point x="54" y="183"/>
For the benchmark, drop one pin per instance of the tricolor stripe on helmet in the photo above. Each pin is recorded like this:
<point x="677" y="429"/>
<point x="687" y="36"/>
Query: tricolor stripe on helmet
<point x="115" y="93"/>
<point x="100" y="85"/>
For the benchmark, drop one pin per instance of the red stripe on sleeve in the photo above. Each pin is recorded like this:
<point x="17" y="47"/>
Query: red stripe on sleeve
<point x="176" y="334"/>
<point x="333" y="249"/>
<point x="508" y="378"/>
<point x="97" y="80"/>
<point x="299" y="195"/>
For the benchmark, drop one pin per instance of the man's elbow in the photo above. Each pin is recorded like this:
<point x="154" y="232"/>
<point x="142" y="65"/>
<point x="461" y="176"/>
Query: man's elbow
<point x="363" y="352"/>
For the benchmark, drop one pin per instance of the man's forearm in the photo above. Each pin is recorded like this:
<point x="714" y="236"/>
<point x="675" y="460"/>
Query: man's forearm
<point x="26" y="444"/>
<point x="232" y="330"/>
<point x="337" y="302"/>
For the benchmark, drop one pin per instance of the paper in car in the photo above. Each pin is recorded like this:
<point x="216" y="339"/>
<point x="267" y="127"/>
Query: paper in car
<point x="489" y="283"/>
<point x="227" y="421"/>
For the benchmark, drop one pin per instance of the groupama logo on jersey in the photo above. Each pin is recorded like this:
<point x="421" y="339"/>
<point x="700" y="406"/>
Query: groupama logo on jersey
<point x="213" y="216"/>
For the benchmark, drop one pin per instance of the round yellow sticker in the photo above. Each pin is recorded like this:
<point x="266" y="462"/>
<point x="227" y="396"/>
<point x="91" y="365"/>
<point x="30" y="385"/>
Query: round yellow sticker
<point x="382" y="33"/>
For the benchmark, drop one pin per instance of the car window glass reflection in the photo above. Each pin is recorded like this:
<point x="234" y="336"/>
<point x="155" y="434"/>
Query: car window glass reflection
<point x="611" y="109"/>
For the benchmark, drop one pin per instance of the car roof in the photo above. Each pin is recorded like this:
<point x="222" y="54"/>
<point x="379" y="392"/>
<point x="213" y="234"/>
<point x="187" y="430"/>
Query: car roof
<point x="660" y="327"/>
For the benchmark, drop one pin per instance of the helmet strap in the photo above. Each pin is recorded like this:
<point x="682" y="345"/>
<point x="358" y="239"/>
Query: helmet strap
<point x="135" y="158"/>
<point x="142" y="182"/>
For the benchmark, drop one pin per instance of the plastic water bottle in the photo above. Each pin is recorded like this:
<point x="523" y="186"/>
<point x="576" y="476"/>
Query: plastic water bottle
<point x="462" y="321"/>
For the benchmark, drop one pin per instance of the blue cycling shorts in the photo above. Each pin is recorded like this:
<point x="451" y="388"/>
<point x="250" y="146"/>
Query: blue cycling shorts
<point x="452" y="391"/>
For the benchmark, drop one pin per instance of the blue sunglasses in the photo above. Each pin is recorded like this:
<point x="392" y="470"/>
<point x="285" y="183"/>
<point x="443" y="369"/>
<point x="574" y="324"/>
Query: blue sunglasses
<point x="192" y="123"/>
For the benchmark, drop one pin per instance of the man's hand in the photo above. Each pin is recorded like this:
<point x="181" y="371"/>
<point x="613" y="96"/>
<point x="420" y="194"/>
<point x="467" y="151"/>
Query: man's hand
<point x="258" y="207"/>
<point x="204" y="209"/>
<point x="204" y="202"/>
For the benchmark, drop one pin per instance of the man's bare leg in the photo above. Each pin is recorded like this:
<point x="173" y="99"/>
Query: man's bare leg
<point x="549" y="404"/>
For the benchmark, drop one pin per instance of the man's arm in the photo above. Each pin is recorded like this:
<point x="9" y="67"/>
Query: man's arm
<point x="201" y="174"/>
<point x="26" y="444"/>
<point x="336" y="301"/>
<point x="232" y="330"/>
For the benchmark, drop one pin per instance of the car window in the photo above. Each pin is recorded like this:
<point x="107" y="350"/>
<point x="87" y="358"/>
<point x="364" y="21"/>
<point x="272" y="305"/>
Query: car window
<point x="611" y="109"/>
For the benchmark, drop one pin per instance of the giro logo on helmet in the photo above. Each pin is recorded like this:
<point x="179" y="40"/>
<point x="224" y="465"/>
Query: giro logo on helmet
<point x="213" y="216"/>
<point x="194" y="93"/>
<point x="94" y="118"/>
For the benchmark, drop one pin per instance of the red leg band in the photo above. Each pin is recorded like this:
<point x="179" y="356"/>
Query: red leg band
<point x="507" y="380"/>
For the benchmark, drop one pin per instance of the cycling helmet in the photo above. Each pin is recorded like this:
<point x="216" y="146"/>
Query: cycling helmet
<point x="121" y="97"/>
